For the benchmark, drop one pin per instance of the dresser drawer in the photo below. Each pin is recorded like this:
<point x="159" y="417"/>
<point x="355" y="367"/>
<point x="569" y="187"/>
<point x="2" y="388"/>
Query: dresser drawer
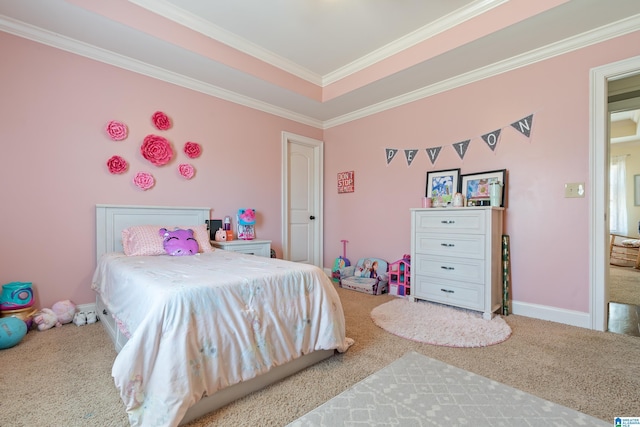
<point x="456" y="245"/>
<point x="460" y="269"/>
<point x="449" y="221"/>
<point x="451" y="293"/>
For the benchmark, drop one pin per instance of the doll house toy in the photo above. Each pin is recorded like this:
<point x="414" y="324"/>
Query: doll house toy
<point x="368" y="275"/>
<point x="400" y="277"/>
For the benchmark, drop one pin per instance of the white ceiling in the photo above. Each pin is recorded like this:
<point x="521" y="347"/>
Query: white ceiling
<point x="320" y="62"/>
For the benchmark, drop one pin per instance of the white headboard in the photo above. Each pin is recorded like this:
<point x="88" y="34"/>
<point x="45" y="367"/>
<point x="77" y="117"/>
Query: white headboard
<point x="112" y="219"/>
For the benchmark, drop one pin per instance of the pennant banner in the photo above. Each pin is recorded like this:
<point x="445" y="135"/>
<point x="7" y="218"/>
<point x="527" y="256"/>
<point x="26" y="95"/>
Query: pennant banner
<point x="391" y="153"/>
<point x="461" y="148"/>
<point x="433" y="153"/>
<point x="410" y="155"/>
<point x="492" y="139"/>
<point x="524" y="126"/>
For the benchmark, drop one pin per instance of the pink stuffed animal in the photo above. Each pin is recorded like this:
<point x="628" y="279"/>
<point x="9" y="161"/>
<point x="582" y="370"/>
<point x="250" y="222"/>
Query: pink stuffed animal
<point x="60" y="313"/>
<point x="65" y="310"/>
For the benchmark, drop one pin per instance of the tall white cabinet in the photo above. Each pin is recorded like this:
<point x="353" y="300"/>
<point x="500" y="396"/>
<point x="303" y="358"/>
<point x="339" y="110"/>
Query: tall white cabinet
<point x="456" y="257"/>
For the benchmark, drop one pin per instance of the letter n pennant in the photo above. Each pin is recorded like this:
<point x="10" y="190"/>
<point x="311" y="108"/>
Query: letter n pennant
<point x="524" y="125"/>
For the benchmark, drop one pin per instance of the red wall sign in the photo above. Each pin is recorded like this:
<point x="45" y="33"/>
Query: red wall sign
<point x="345" y="182"/>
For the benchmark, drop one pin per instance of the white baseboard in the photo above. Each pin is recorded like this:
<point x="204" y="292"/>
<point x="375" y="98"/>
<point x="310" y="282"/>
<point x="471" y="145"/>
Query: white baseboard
<point x="553" y="314"/>
<point x="327" y="271"/>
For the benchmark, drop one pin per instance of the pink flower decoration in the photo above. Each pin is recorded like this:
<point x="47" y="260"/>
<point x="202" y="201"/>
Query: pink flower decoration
<point x="117" y="165"/>
<point x="156" y="149"/>
<point x="192" y="149"/>
<point x="161" y="121"/>
<point x="186" y="170"/>
<point x="144" y="180"/>
<point x="117" y="130"/>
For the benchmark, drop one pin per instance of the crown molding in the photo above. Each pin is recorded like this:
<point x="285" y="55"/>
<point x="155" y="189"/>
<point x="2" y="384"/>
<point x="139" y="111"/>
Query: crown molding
<point x="196" y="23"/>
<point x="86" y="50"/>
<point x="599" y="35"/>
<point x="21" y="29"/>
<point x="441" y="25"/>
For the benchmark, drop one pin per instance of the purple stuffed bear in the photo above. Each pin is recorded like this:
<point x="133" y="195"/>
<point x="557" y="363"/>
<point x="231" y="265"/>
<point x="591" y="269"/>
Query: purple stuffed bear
<point x="179" y="241"/>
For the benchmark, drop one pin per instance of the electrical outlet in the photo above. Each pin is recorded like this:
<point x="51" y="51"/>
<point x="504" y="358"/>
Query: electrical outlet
<point x="574" y="189"/>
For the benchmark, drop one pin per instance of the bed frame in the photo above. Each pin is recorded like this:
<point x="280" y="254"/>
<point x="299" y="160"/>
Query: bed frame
<point x="110" y="221"/>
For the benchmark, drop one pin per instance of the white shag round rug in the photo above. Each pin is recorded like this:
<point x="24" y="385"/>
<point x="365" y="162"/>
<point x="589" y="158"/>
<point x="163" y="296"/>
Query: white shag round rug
<point x="439" y="324"/>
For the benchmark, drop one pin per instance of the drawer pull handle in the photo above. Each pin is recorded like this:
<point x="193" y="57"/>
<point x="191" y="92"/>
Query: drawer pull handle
<point x="449" y="291"/>
<point x="444" y="267"/>
<point x="448" y="221"/>
<point x="447" y="245"/>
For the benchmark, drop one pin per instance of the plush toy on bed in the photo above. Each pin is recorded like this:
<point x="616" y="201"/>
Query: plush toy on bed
<point x="179" y="242"/>
<point x="60" y="313"/>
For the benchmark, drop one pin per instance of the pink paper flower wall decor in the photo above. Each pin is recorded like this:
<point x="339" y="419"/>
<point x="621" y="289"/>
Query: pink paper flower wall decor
<point x="156" y="149"/>
<point x="192" y="149"/>
<point x="117" y="130"/>
<point x="117" y="165"/>
<point x="161" y="121"/>
<point x="186" y="170"/>
<point x="144" y="180"/>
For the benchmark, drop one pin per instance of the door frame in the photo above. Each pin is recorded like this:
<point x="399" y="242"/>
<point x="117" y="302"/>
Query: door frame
<point x="599" y="185"/>
<point x="318" y="233"/>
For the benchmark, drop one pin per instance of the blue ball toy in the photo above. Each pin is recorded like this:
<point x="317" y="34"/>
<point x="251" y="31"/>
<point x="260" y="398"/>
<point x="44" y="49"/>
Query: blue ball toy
<point x="12" y="330"/>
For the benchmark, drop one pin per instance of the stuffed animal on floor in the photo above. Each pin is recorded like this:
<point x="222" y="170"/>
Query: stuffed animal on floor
<point x="179" y="242"/>
<point x="60" y="313"/>
<point x="46" y="319"/>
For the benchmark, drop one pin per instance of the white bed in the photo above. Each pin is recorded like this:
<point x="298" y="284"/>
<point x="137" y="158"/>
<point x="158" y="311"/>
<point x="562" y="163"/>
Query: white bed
<point x="220" y="339"/>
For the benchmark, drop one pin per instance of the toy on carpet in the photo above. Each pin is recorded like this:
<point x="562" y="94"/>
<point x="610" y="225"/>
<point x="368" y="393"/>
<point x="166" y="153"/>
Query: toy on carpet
<point x="179" y="242"/>
<point x="60" y="313"/>
<point x="340" y="262"/>
<point x="12" y="330"/>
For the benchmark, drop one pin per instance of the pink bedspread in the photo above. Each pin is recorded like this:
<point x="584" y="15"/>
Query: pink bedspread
<point x="197" y="324"/>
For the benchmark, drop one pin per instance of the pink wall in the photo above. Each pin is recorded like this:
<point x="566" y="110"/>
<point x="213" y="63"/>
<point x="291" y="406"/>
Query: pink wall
<point x="55" y="105"/>
<point x="549" y="233"/>
<point x="54" y="150"/>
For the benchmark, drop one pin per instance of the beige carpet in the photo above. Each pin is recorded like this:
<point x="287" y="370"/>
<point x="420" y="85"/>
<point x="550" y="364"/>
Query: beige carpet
<point x="61" y="377"/>
<point x="624" y="285"/>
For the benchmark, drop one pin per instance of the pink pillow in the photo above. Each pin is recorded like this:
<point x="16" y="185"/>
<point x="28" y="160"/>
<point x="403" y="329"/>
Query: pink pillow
<point x="146" y="240"/>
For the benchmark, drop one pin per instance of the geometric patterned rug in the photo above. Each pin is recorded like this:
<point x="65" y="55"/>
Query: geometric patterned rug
<point x="416" y="390"/>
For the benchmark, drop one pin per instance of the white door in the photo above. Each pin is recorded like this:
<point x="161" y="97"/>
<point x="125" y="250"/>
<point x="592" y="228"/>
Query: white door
<point x="599" y="184"/>
<point x="302" y="179"/>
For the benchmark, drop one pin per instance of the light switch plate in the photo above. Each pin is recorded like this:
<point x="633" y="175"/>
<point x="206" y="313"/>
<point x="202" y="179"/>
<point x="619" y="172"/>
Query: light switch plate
<point x="574" y="189"/>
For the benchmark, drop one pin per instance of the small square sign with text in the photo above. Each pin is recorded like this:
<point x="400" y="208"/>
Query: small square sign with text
<point x="346" y="182"/>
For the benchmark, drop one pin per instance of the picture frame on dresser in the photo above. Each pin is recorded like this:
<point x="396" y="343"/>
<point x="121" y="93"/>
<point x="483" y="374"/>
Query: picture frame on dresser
<point x="442" y="185"/>
<point x="475" y="186"/>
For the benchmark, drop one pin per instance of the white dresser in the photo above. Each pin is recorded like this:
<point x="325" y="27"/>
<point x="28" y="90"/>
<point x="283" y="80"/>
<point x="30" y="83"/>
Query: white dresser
<point x="253" y="247"/>
<point x="456" y="257"/>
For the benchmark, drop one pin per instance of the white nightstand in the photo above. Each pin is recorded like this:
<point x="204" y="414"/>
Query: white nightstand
<point x="252" y="247"/>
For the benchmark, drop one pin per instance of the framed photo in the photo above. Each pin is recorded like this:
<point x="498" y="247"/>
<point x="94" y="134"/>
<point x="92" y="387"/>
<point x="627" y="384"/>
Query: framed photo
<point x="442" y="185"/>
<point x="475" y="186"/>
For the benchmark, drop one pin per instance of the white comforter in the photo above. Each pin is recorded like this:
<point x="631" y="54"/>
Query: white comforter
<point x="197" y="324"/>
